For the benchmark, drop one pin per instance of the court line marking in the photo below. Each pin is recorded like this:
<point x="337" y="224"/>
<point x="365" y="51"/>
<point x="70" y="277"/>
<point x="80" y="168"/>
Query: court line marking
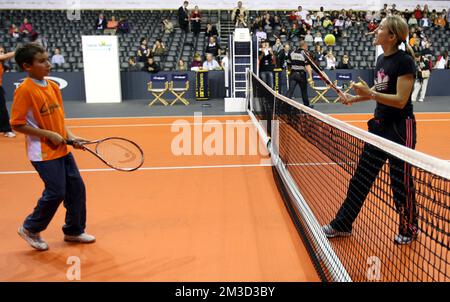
<point x="167" y="168"/>
<point x="215" y="123"/>
<point x="417" y="120"/>
<point x="371" y="113"/>
<point x="149" y="117"/>
<point x="224" y="115"/>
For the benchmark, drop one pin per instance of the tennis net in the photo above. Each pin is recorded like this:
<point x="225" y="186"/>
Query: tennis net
<point x="314" y="159"/>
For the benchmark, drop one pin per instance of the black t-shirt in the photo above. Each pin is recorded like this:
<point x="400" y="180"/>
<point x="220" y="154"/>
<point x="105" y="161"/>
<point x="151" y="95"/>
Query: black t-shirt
<point x="266" y="63"/>
<point x="387" y="71"/>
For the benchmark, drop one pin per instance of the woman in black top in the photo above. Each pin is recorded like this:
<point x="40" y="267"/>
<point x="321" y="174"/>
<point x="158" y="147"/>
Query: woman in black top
<point x="143" y="51"/>
<point x="393" y="120"/>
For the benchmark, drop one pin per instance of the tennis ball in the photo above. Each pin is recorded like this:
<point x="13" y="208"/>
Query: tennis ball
<point x="329" y="39"/>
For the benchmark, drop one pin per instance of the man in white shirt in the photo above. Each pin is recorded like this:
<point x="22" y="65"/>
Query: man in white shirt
<point x="301" y="13"/>
<point x="261" y="34"/>
<point x="210" y="63"/>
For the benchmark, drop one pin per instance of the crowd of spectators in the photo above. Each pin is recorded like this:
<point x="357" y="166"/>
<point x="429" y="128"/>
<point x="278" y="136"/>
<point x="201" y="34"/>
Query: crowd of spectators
<point x="270" y="28"/>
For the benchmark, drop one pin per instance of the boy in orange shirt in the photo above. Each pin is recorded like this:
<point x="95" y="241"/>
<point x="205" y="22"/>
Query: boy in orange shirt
<point x="38" y="112"/>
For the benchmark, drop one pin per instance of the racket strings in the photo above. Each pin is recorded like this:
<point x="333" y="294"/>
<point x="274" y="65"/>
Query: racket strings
<point x="120" y="154"/>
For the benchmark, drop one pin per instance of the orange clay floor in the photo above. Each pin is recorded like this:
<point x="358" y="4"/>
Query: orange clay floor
<point x="188" y="217"/>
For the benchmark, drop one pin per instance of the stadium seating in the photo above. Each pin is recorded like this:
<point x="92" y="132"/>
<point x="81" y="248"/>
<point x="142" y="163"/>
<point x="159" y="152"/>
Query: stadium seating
<point x="59" y="31"/>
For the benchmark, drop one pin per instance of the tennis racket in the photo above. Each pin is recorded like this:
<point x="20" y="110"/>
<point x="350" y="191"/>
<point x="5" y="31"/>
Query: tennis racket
<point x="323" y="75"/>
<point x="116" y="152"/>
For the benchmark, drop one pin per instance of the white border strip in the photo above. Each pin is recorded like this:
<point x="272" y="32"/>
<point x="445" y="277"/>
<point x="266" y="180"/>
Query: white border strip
<point x="330" y="259"/>
<point x="168" y="168"/>
<point x="421" y="160"/>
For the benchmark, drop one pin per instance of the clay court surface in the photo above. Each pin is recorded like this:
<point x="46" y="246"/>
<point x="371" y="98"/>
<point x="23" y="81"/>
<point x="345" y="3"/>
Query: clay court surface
<point x="180" y="218"/>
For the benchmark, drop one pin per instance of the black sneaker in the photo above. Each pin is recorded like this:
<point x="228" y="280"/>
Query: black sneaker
<point x="330" y="232"/>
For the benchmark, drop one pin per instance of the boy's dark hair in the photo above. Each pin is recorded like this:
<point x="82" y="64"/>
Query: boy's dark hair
<point x="26" y="53"/>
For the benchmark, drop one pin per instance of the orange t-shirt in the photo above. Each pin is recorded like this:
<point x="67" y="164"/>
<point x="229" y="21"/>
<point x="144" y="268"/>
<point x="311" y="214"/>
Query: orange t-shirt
<point x="40" y="107"/>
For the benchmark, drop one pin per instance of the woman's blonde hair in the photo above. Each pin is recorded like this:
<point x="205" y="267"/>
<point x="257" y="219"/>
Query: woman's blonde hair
<point x="399" y="28"/>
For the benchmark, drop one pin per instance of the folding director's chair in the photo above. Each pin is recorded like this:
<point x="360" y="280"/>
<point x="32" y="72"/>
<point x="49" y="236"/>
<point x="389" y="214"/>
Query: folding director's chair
<point x="343" y="82"/>
<point x="158" y="85"/>
<point x="179" y="90"/>
<point x="320" y="90"/>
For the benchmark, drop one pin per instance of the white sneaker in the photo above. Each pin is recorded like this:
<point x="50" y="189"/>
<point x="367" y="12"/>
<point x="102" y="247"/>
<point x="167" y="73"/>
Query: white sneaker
<point x="10" y="134"/>
<point x="33" y="239"/>
<point x="82" y="238"/>
<point x="420" y="100"/>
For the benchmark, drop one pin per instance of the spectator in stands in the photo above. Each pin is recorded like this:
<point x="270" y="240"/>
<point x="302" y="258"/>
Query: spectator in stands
<point x="448" y="18"/>
<point x="101" y="23"/>
<point x="413" y="39"/>
<point x="423" y="71"/>
<point x="143" y="51"/>
<point x="320" y="14"/>
<point x="212" y="47"/>
<point x="238" y="12"/>
<point x="337" y="33"/>
<point x="308" y="21"/>
<point x="417" y="48"/>
<point x="197" y="63"/>
<point x="14" y="31"/>
<point x="327" y="22"/>
<point x="58" y="58"/>
<point x="301" y="14"/>
<point x="339" y="23"/>
<point x="442" y="61"/>
<point x="196" y="21"/>
<point x="211" y="31"/>
<point x="348" y="22"/>
<point x="26" y="28"/>
<point x="344" y="63"/>
<point x="369" y="16"/>
<point x="261" y="34"/>
<point x="124" y="26"/>
<point x="159" y="49"/>
<point x="266" y="63"/>
<point x="167" y="26"/>
<point x="277" y="47"/>
<point x="318" y="38"/>
<point x="267" y="22"/>
<point x="133" y="65"/>
<point x="151" y="66"/>
<point x="425" y="10"/>
<point x="257" y="23"/>
<point x="283" y="56"/>
<point x="277" y="23"/>
<point x="111" y="26"/>
<point x="418" y="13"/>
<point x="426" y="51"/>
<point x="308" y="37"/>
<point x="331" y="60"/>
<point x="371" y="26"/>
<point x="425" y="22"/>
<point x="181" y="66"/>
<point x="318" y="54"/>
<point x="283" y="32"/>
<point x="292" y="17"/>
<point x="413" y="21"/>
<point x="183" y="17"/>
<point x="440" y="21"/>
<point x="241" y="23"/>
<point x="433" y="16"/>
<point x="211" y="63"/>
